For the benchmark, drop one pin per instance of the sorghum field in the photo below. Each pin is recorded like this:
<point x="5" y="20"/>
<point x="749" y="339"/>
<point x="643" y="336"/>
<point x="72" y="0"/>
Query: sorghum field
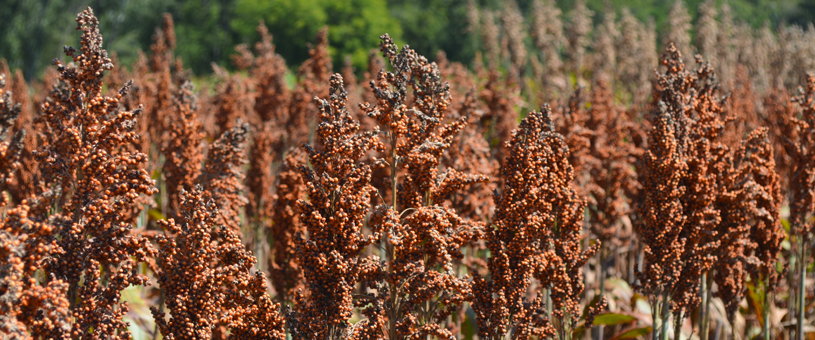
<point x="613" y="193"/>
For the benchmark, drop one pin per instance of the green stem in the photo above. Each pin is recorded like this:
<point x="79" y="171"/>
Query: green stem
<point x="703" y="330"/>
<point x="793" y="297"/>
<point x="666" y="312"/>
<point x="678" y="325"/>
<point x="655" y="321"/>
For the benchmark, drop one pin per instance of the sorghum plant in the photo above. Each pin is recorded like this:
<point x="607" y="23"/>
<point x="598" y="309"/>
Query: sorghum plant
<point x="284" y="267"/>
<point x="29" y="307"/>
<point x="260" y="177"/>
<point x="313" y="80"/>
<point x="418" y="287"/>
<point x="339" y="192"/>
<point x="802" y="182"/>
<point x="154" y="88"/>
<point x="96" y="184"/>
<point x="9" y="149"/>
<point x="750" y="230"/>
<point x="609" y="166"/>
<point x="536" y="234"/>
<point x="267" y="70"/>
<point x="572" y="120"/>
<point x="222" y="175"/>
<point x="259" y="182"/>
<point x="678" y="215"/>
<point x="611" y="178"/>
<point x="679" y="28"/>
<point x="183" y="154"/>
<point x="233" y="100"/>
<point x="577" y="36"/>
<point x="205" y="274"/>
<point x="501" y="116"/>
<point x="469" y="152"/>
<point x="663" y="170"/>
<point x="547" y="34"/>
<point x="24" y="179"/>
<point x="458" y="254"/>
<point x="766" y="230"/>
<point x="270" y="75"/>
<point x="779" y="112"/>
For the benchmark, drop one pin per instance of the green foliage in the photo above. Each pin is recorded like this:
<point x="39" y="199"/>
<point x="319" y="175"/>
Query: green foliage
<point x="635" y="333"/>
<point x="753" y="12"/>
<point x="610" y="319"/>
<point x="203" y="32"/>
<point x="433" y="25"/>
<point x="605" y="319"/>
<point x="33" y="31"/>
<point x="805" y="13"/>
<point x="354" y="25"/>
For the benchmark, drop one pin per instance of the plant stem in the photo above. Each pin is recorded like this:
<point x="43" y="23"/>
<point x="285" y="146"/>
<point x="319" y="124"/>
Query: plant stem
<point x="548" y="294"/>
<point x="655" y="321"/>
<point x="393" y="170"/>
<point x="666" y="312"/>
<point x="640" y="259"/>
<point x="427" y="315"/>
<point x="733" y="331"/>
<point x="632" y="258"/>
<point x="598" y="331"/>
<point x="793" y="297"/>
<point x="718" y="331"/>
<point x="72" y="291"/>
<point x="386" y="247"/>
<point x="703" y="330"/>
<point x="766" y="310"/>
<point x="801" y="288"/>
<point x="709" y="283"/>
<point x="678" y="325"/>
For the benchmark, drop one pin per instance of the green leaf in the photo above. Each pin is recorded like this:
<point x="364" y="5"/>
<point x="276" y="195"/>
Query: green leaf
<point x="633" y="333"/>
<point x="610" y="319"/>
<point x="755" y="297"/>
<point x="156" y="215"/>
<point x="605" y="319"/>
<point x="469" y="328"/>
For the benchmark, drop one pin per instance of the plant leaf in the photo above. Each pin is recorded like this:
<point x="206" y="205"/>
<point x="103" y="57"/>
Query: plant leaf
<point x="610" y="319"/>
<point x="633" y="333"/>
<point x="155" y="214"/>
<point x="755" y="297"/>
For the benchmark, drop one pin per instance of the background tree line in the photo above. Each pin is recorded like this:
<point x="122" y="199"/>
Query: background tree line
<point x="208" y="30"/>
